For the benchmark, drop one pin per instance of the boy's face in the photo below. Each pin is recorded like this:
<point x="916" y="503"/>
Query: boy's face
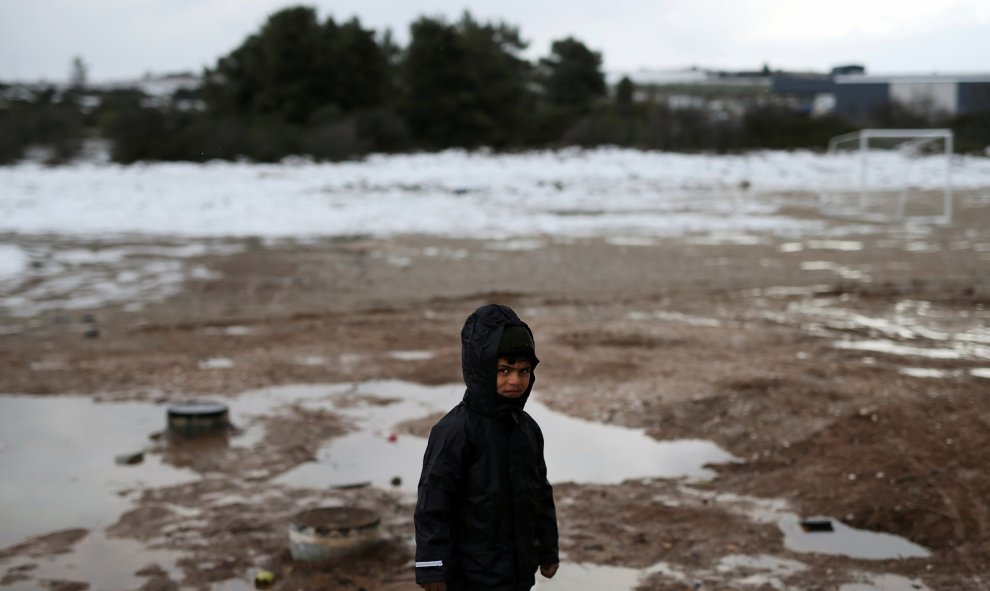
<point x="512" y="379"/>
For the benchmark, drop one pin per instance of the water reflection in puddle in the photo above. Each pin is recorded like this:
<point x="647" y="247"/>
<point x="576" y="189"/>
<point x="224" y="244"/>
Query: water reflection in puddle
<point x="843" y="245"/>
<point x="105" y="564"/>
<point x="579" y="577"/>
<point x="909" y="328"/>
<point x="57" y="460"/>
<point x="216" y="363"/>
<point x="847" y="541"/>
<point x="885" y="583"/>
<point x="668" y="316"/>
<point x="59" y="276"/>
<point x="576" y="450"/>
<point x="840" y="270"/>
<point x="926" y="372"/>
<point x="842" y="541"/>
<point x="736" y="571"/>
<point x="411" y="355"/>
<point x="957" y="351"/>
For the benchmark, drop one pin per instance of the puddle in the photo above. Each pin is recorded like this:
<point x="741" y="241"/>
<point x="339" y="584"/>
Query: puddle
<point x="769" y="570"/>
<point x="842" y="541"/>
<point x="57" y="460"/>
<point x="590" y="577"/>
<point x="48" y="366"/>
<point x="842" y="245"/>
<point x="234" y="331"/>
<point x="520" y="244"/>
<point x="735" y="571"/>
<point x="840" y="270"/>
<point x="630" y="241"/>
<point x="216" y="363"/>
<point x="718" y="239"/>
<point x="980" y="372"/>
<point x="925" y="372"/>
<point x="789" y="291"/>
<point x="411" y="355"/>
<point x="106" y="564"/>
<point x="398" y="261"/>
<point x="13" y="261"/>
<point x="914" y="328"/>
<point x="46" y="276"/>
<point x="310" y="360"/>
<point x="576" y="450"/>
<point x="894" y="348"/>
<point x="872" y="582"/>
<point x="675" y="317"/>
<point x="847" y="541"/>
<point x="454" y="254"/>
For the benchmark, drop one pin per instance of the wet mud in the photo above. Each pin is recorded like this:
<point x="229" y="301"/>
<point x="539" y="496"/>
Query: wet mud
<point x="841" y="375"/>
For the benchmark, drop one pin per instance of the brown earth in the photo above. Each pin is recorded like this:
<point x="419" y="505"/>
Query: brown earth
<point x="682" y="337"/>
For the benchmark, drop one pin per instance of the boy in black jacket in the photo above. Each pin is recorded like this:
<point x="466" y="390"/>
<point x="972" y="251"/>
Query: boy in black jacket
<point x="485" y="517"/>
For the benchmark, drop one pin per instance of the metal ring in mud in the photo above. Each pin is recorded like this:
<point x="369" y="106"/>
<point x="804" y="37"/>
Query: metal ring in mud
<point x="328" y="532"/>
<point x="197" y="418"/>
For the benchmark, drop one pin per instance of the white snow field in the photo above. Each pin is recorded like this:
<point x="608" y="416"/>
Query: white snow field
<point x="603" y="192"/>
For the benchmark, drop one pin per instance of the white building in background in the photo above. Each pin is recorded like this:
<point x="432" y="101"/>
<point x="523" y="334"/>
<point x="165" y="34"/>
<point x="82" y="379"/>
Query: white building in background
<point x="720" y="93"/>
<point x="857" y="97"/>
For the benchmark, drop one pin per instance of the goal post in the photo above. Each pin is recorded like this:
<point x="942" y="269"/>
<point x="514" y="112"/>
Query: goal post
<point x="880" y="175"/>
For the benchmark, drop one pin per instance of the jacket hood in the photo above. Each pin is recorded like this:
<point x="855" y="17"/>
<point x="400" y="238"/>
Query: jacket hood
<point x="479" y="359"/>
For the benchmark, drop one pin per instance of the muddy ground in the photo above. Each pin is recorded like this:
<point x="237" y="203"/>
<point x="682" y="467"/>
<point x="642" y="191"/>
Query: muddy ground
<point x="732" y="339"/>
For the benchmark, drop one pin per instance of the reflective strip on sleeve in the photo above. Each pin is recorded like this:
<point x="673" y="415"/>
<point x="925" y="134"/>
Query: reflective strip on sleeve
<point x="429" y="563"/>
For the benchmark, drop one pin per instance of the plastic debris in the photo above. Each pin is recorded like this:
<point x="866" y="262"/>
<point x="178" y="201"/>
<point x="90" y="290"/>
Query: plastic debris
<point x="351" y="485"/>
<point x="816" y="525"/>
<point x="264" y="579"/>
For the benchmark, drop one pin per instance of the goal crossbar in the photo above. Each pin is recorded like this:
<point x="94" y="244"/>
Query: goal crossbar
<point x="920" y="138"/>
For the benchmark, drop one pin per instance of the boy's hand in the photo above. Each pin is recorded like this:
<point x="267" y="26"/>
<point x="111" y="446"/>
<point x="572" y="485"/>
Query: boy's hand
<point x="549" y="570"/>
<point x="441" y="586"/>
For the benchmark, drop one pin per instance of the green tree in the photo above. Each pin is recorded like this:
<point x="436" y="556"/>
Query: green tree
<point x="624" y="91"/>
<point x="78" y="74"/>
<point x="572" y="74"/>
<point x="296" y="67"/>
<point x="359" y="66"/>
<point x="464" y="84"/>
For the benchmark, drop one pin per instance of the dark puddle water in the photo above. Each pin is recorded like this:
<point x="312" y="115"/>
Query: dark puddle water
<point x="57" y="460"/>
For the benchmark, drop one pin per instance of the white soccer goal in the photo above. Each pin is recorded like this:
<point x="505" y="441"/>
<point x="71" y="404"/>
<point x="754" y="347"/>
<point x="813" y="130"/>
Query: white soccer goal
<point x="893" y="174"/>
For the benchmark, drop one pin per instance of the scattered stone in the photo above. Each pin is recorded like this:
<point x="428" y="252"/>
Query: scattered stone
<point x="129" y="459"/>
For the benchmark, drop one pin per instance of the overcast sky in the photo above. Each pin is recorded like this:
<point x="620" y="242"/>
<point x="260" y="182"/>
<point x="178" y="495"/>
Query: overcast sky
<point x="121" y="39"/>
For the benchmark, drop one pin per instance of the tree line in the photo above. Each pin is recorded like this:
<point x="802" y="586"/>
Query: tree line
<point x="336" y="90"/>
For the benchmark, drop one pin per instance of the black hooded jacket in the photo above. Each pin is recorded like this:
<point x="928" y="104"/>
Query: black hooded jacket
<point x="485" y="517"/>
